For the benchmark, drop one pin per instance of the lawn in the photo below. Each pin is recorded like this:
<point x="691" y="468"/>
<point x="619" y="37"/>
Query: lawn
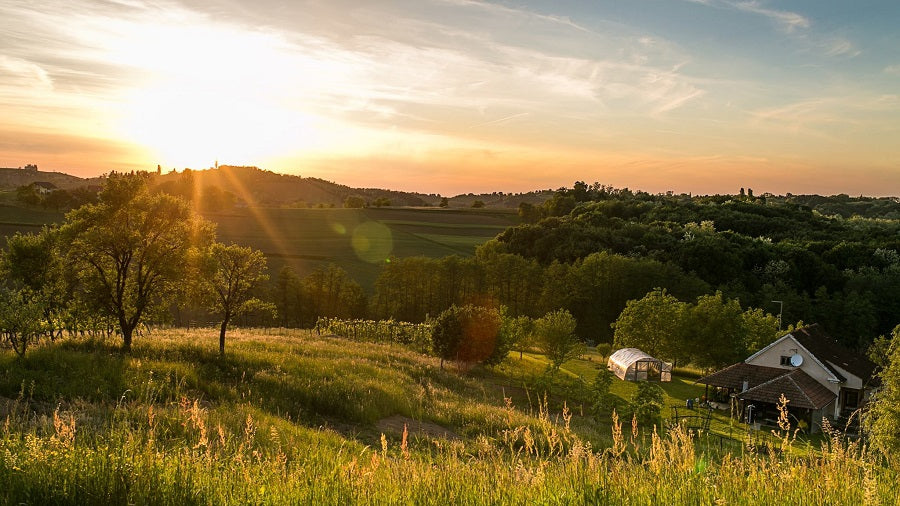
<point x="293" y="417"/>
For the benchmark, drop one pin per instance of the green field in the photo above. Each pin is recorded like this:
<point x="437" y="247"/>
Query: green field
<point x="359" y="240"/>
<point x="290" y="417"/>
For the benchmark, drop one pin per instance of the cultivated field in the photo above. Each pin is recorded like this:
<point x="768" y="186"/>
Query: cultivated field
<point x="291" y="417"/>
<point x="358" y="240"/>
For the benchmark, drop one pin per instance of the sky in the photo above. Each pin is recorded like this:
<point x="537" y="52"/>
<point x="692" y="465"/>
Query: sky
<point x="459" y="96"/>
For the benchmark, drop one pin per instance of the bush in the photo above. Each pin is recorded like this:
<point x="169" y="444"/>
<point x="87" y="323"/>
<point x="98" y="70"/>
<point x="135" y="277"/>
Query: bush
<point x="602" y="399"/>
<point x="468" y="334"/>
<point x="648" y="402"/>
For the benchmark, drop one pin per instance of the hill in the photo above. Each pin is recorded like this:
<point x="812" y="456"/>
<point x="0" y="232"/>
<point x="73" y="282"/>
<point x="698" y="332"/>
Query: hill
<point x="252" y="186"/>
<point x="292" y="417"/>
<point x="12" y="178"/>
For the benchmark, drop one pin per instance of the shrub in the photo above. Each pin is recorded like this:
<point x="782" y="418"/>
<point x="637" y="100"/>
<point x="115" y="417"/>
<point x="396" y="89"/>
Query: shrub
<point x="647" y="402"/>
<point x="468" y="334"/>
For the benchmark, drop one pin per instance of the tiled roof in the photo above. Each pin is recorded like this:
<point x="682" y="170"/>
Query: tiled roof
<point x="831" y="353"/>
<point x="734" y="376"/>
<point x="798" y="387"/>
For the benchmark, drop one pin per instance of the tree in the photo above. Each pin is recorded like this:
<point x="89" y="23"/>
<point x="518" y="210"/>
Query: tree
<point x="882" y="418"/>
<point x="529" y="212"/>
<point x="648" y="402"/>
<point x="129" y="251"/>
<point x="354" y="202"/>
<point x="466" y="334"/>
<point x="289" y="297"/>
<point x="520" y="330"/>
<point x="330" y="291"/>
<point x="444" y="202"/>
<point x="716" y="331"/>
<point x="21" y="317"/>
<point x="555" y="333"/>
<point x="478" y="204"/>
<point x="32" y="262"/>
<point x="382" y="202"/>
<point x="229" y="276"/>
<point x="654" y="324"/>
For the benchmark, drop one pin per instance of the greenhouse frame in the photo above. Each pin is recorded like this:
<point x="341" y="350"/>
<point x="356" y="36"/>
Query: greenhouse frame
<point x="632" y="364"/>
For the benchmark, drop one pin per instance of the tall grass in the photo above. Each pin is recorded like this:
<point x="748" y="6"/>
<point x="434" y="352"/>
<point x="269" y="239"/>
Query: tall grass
<point x="256" y="428"/>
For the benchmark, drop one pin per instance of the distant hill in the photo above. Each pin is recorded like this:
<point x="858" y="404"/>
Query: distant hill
<point x="12" y="178"/>
<point x="257" y="187"/>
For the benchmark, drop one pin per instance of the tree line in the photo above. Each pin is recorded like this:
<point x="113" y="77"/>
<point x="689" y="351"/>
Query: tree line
<point x="843" y="272"/>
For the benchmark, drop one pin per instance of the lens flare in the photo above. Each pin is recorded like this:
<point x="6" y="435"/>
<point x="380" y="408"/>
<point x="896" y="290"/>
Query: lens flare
<point x="372" y="242"/>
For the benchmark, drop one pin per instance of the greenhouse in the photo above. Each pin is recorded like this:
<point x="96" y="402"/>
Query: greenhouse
<point x="632" y="364"/>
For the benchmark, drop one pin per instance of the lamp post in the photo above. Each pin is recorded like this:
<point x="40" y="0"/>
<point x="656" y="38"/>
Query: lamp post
<point x="780" y="309"/>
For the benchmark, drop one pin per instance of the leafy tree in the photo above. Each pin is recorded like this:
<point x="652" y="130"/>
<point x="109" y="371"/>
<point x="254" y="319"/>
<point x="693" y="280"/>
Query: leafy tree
<point x="478" y="204"/>
<point x="716" y="332"/>
<point x="288" y="297"/>
<point x="330" y="291"/>
<point x="229" y="276"/>
<point x="354" y="202"/>
<point x="529" y="212"/>
<point x="647" y="402"/>
<point x="28" y="195"/>
<point x="466" y="334"/>
<point x="382" y="202"/>
<point x="880" y="350"/>
<point x="21" y="317"/>
<point x="32" y="262"/>
<point x="761" y="329"/>
<point x="520" y="330"/>
<point x="556" y="337"/>
<point x="444" y="202"/>
<point x="654" y="324"/>
<point x="129" y="251"/>
<point x="511" y="280"/>
<point x="882" y="419"/>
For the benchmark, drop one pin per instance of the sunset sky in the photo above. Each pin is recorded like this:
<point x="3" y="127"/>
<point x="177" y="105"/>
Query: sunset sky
<point x="457" y="96"/>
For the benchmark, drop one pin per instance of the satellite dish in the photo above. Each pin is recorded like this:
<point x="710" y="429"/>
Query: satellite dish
<point x="796" y="360"/>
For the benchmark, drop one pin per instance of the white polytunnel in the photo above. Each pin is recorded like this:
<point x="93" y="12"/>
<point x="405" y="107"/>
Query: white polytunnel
<point x="632" y="364"/>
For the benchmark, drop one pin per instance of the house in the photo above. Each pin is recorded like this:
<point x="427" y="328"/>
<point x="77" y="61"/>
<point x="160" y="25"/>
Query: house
<point x="44" y="187"/>
<point x="632" y="364"/>
<point x="819" y="377"/>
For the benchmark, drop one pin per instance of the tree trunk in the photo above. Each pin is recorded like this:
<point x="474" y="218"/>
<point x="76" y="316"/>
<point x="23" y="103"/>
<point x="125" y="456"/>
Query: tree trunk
<point x="126" y="338"/>
<point x="222" y="335"/>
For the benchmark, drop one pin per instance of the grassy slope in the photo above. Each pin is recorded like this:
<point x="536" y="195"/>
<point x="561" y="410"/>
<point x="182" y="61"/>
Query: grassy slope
<point x="291" y="417"/>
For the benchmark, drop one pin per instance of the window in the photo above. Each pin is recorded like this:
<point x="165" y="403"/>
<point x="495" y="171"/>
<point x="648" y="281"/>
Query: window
<point x="786" y="360"/>
<point x="851" y="399"/>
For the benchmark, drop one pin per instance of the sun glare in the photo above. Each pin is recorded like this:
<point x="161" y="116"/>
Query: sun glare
<point x="220" y="93"/>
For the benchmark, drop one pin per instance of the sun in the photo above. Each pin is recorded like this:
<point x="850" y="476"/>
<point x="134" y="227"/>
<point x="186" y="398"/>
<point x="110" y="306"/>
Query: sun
<point x="217" y="92"/>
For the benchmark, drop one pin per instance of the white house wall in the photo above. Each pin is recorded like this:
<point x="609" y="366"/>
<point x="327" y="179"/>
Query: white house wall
<point x="787" y="346"/>
<point x="853" y="381"/>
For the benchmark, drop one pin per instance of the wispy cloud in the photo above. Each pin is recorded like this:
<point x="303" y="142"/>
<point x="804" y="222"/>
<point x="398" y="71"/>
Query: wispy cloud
<point x="788" y="20"/>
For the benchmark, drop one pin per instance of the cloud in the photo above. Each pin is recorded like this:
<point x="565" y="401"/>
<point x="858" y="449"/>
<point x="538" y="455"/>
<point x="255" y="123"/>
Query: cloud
<point x="892" y="69"/>
<point x="790" y="21"/>
<point x="787" y="20"/>
<point x="841" y="47"/>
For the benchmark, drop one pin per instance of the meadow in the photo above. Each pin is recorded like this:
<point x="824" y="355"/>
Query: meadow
<point x="358" y="240"/>
<point x="289" y="416"/>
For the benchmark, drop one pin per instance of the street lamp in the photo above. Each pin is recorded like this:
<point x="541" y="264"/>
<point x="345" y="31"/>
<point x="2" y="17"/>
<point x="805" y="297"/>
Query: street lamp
<point x="780" y="309"/>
